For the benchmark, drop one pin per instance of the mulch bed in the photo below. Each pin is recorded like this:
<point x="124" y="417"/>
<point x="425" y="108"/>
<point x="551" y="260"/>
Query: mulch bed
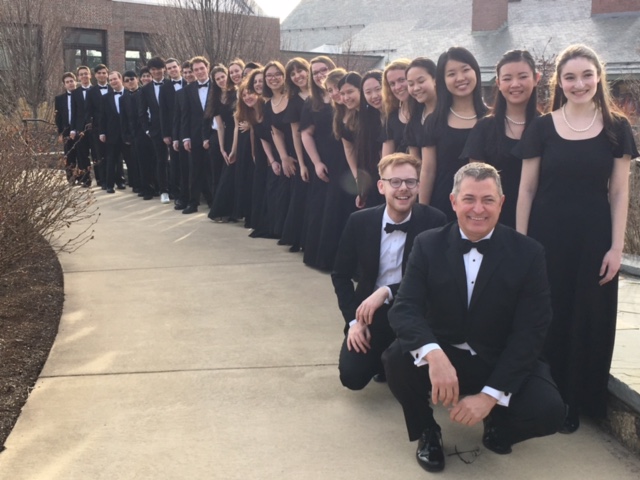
<point x="30" y="308"/>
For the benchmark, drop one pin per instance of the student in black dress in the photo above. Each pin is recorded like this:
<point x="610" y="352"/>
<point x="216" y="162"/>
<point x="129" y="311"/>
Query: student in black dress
<point x="236" y="71"/>
<point x="297" y="82"/>
<point x="280" y="144"/>
<point x="495" y="137"/>
<point x="369" y="144"/>
<point x="573" y="199"/>
<point x="458" y="108"/>
<point x="220" y="123"/>
<point x="421" y="85"/>
<point x="397" y="113"/>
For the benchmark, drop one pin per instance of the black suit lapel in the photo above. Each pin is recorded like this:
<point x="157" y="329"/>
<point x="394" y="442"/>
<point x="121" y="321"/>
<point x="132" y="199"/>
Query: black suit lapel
<point x="490" y="260"/>
<point x="456" y="262"/>
<point x="414" y="229"/>
<point x="374" y="229"/>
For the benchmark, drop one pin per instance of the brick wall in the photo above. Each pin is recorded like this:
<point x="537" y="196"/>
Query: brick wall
<point x="603" y="7"/>
<point x="489" y="15"/>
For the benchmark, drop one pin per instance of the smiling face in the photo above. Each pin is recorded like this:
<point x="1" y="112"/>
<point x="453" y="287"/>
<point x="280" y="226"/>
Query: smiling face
<point x="516" y="81"/>
<point x="477" y="205"/>
<point x="84" y="76"/>
<point x="131" y="83"/>
<point x="221" y="80"/>
<point x="188" y="75"/>
<point x="173" y="70"/>
<point x="350" y="96"/>
<point x="372" y="91"/>
<point x="102" y="75"/>
<point x="258" y="83"/>
<point x="249" y="98"/>
<point x="157" y="73"/>
<point x="579" y="80"/>
<point x="235" y="72"/>
<point x="319" y="72"/>
<point x="334" y="93"/>
<point x="115" y="80"/>
<point x="274" y="78"/>
<point x="397" y="81"/>
<point x="421" y="85"/>
<point x="145" y="78"/>
<point x="399" y="200"/>
<point x="201" y="71"/>
<point x="459" y="78"/>
<point x="300" y="77"/>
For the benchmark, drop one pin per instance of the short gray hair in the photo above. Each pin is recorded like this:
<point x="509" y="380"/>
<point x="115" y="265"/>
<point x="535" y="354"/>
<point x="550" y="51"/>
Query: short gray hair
<point x="478" y="171"/>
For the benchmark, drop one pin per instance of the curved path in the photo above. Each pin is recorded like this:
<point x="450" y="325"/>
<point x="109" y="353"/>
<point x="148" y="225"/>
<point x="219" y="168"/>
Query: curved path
<point x="189" y="351"/>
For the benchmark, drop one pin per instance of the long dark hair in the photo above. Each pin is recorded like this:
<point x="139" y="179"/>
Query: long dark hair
<point x="369" y="126"/>
<point x="438" y="119"/>
<point x="297" y="63"/>
<point x="266" y="90"/>
<point x="317" y="93"/>
<point x="215" y="92"/>
<point x="429" y="66"/>
<point x="355" y="80"/>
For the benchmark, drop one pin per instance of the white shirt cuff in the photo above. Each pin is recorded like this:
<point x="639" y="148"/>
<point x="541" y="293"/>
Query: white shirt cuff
<point x="186" y="140"/>
<point x="389" y="296"/>
<point x="502" y="397"/>
<point x="419" y="355"/>
<point x="352" y="322"/>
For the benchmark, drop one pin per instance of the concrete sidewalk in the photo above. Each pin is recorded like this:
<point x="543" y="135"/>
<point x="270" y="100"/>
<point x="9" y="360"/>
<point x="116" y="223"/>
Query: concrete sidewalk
<point x="188" y="350"/>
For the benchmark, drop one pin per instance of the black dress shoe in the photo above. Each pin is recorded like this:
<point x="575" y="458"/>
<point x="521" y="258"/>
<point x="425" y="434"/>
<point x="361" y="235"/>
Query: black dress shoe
<point x="179" y="205"/>
<point x="493" y="440"/>
<point x="380" y="378"/>
<point x="104" y="187"/>
<point x="190" y="209"/>
<point x="147" y="196"/>
<point x="110" y="190"/>
<point x="430" y="455"/>
<point x="121" y="186"/>
<point x="136" y="189"/>
<point x="571" y="421"/>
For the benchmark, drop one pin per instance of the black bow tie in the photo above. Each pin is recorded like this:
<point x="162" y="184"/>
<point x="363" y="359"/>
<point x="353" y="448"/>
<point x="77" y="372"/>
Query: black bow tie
<point x="173" y="82"/>
<point x="157" y="84"/>
<point x="103" y="88"/>
<point x="203" y="85"/>
<point x="392" y="227"/>
<point x="117" y="93"/>
<point x="466" y="245"/>
<point x="68" y="94"/>
<point x="85" y="89"/>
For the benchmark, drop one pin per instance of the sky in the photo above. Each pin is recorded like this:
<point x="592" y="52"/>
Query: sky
<point x="277" y="8"/>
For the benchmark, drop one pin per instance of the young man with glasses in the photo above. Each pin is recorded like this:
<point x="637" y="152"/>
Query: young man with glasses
<point x="375" y="245"/>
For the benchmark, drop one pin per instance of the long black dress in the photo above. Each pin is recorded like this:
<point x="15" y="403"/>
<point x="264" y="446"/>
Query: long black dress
<point x="329" y="204"/>
<point x="224" y="197"/>
<point x="244" y="178"/>
<point x="449" y="143"/>
<point x="394" y="130"/>
<point x="482" y="145"/>
<point x="266" y="186"/>
<point x="571" y="217"/>
<point x="414" y="131"/>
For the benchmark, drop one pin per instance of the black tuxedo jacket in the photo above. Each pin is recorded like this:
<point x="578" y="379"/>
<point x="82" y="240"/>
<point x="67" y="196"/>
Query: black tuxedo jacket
<point x="177" y="115"/>
<point x="62" y="114"/>
<point x="359" y="253"/>
<point x="80" y="115"/>
<point x="94" y="104"/>
<point x="510" y="309"/>
<point x="168" y="107"/>
<point x="116" y="126"/>
<point x="149" y="109"/>
<point x="192" y="114"/>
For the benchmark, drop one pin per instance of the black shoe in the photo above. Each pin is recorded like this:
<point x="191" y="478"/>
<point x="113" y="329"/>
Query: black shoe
<point x="147" y="196"/>
<point x="179" y="205"/>
<point x="190" y="209"/>
<point x="380" y="378"/>
<point x="430" y="455"/>
<point x="493" y="440"/>
<point x="104" y="187"/>
<point x="136" y="189"/>
<point x="571" y="421"/>
<point x="121" y="186"/>
<point x="110" y="190"/>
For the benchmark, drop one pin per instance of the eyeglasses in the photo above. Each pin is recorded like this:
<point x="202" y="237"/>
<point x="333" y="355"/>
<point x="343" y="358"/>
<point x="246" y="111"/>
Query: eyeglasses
<point x="321" y="71"/>
<point x="271" y="76"/>
<point x="396" y="182"/>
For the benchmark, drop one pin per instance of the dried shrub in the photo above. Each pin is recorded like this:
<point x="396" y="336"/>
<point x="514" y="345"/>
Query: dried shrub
<point x="36" y="201"/>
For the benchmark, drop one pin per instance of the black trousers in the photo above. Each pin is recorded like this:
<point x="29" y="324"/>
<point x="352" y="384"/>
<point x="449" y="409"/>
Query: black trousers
<point x="174" y="172"/>
<point x="357" y="369"/>
<point x="536" y="410"/>
<point x="83" y="159"/>
<point x="70" y="158"/>
<point x="199" y="174"/>
<point x="161" y="163"/>
<point x="100" y="159"/>
<point x="114" y="171"/>
<point x="183" y="165"/>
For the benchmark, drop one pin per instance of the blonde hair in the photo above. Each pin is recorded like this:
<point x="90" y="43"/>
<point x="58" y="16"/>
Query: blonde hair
<point x="399" y="158"/>
<point x="389" y="101"/>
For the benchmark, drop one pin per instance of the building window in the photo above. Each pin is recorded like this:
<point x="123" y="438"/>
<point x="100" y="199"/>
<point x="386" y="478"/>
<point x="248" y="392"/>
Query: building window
<point x="136" y="50"/>
<point x="84" y="47"/>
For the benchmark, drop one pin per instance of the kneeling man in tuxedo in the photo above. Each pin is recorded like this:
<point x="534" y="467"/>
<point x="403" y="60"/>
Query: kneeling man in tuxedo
<point x="470" y="317"/>
<point x="374" y="249"/>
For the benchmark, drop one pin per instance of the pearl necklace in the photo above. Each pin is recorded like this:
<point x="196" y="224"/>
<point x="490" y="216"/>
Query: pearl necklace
<point x="579" y="130"/>
<point x="274" y="104"/>
<point x="513" y="121"/>
<point x="461" y="117"/>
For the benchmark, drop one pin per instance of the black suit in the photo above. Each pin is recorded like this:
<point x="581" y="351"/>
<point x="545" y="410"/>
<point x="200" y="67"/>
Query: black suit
<point x="63" y="106"/>
<point x="505" y="323"/>
<point x="149" y="113"/>
<point x="168" y="109"/>
<point x="183" y="155"/>
<point x="80" y="118"/>
<point x="191" y="122"/>
<point x="117" y="127"/>
<point x="94" y="106"/>
<point x="359" y="255"/>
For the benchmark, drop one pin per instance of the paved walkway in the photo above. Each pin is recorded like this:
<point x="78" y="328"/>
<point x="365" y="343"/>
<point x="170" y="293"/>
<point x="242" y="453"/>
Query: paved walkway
<point x="189" y="351"/>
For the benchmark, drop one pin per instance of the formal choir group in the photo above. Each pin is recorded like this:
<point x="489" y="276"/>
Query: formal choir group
<point x="293" y="150"/>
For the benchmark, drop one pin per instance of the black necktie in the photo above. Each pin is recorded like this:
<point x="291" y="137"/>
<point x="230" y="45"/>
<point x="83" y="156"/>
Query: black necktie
<point x="173" y="82"/>
<point x="203" y="85"/>
<point x="103" y="88"/>
<point x="157" y="84"/>
<point x="392" y="227"/>
<point x="117" y="93"/>
<point x="466" y="245"/>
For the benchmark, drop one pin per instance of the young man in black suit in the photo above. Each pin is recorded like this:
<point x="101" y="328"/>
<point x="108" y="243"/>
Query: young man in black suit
<point x="168" y="94"/>
<point x="375" y="244"/>
<point x="80" y="118"/>
<point x="149" y="112"/>
<point x="63" y="106"/>
<point x="115" y="129"/>
<point x="191" y="132"/>
<point x="471" y="316"/>
<point x="101" y="72"/>
<point x="183" y="156"/>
